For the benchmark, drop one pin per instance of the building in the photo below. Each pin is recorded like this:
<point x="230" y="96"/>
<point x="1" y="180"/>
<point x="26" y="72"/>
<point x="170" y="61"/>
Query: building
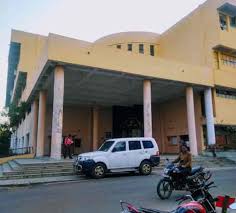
<point x="177" y="85"/>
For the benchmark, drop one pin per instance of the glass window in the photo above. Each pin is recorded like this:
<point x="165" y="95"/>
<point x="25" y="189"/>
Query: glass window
<point x="118" y="46"/>
<point x="233" y="21"/>
<point x="228" y="60"/>
<point x="147" y="145"/>
<point x="120" y="147"/>
<point x="141" y="48"/>
<point x="173" y="140"/>
<point x="223" y="22"/>
<point x="134" y="145"/>
<point x="129" y="47"/>
<point x="152" y="50"/>
<point x="106" y="146"/>
<point x="226" y="94"/>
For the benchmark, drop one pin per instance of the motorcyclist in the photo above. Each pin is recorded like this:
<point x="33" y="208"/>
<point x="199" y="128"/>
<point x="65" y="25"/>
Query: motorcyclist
<point x="184" y="160"/>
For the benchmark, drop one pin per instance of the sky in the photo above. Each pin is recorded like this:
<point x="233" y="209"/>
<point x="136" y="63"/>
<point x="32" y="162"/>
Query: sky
<point x="85" y="19"/>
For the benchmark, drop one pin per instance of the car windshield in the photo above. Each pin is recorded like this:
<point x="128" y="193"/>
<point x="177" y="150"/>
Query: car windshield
<point x="106" y="146"/>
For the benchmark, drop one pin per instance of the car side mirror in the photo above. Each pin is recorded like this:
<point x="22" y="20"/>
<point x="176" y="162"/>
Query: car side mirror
<point x="233" y="206"/>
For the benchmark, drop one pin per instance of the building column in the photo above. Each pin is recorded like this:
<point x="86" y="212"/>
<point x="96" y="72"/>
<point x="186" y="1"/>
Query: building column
<point x="191" y="121"/>
<point x="57" y="115"/>
<point x="41" y="123"/>
<point x="95" y="128"/>
<point x="34" y="126"/>
<point x="147" y="108"/>
<point x="12" y="145"/>
<point x="211" y="138"/>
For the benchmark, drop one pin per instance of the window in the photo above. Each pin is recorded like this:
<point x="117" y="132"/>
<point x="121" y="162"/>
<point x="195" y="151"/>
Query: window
<point x="22" y="145"/>
<point x="152" y="50"/>
<point x="129" y="47"/>
<point x="173" y="140"/>
<point x="134" y="145"/>
<point x="22" y="142"/>
<point x="226" y="94"/>
<point x="29" y="110"/>
<point x="228" y="60"/>
<point x="147" y="145"/>
<point x="233" y="21"/>
<point x="120" y="147"/>
<point x="118" y="46"/>
<point x="106" y="146"/>
<point x="223" y="22"/>
<point x="141" y="48"/>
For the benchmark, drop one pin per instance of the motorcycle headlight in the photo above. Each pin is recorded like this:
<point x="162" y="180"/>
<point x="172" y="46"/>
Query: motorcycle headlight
<point x="166" y="171"/>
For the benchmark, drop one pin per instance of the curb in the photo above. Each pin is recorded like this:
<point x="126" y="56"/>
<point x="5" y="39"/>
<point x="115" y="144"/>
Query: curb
<point x="30" y="182"/>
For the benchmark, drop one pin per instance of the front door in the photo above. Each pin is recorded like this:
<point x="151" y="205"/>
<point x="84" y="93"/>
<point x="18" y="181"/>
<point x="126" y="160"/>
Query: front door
<point x="118" y="156"/>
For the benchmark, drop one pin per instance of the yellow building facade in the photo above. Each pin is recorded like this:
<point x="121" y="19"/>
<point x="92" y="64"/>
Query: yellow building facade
<point x="180" y="85"/>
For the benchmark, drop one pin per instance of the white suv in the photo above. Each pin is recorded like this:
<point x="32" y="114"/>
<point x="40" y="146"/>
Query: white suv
<point x="120" y="155"/>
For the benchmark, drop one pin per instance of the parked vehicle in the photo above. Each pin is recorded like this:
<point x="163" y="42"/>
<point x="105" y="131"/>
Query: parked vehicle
<point x="233" y="206"/>
<point x="120" y="155"/>
<point x="201" y="201"/>
<point x="173" y="179"/>
<point x="203" y="196"/>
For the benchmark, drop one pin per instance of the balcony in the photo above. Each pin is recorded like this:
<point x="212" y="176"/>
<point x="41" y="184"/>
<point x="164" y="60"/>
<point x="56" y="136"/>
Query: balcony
<point x="227" y="29"/>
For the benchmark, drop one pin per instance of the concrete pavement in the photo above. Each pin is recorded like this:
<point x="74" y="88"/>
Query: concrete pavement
<point x="100" y="196"/>
<point x="77" y="178"/>
<point x="44" y="170"/>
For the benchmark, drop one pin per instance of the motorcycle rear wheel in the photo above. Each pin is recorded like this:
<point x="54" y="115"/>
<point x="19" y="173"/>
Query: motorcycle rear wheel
<point x="164" y="189"/>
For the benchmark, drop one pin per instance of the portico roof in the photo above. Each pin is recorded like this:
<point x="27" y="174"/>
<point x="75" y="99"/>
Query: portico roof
<point x="60" y="50"/>
<point x="89" y="86"/>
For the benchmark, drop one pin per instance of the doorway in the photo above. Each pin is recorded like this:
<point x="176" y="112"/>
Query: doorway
<point x="127" y="121"/>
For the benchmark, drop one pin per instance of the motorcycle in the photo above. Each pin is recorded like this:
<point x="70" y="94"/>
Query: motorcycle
<point x="233" y="206"/>
<point x="173" y="179"/>
<point x="201" y="201"/>
<point x="203" y="196"/>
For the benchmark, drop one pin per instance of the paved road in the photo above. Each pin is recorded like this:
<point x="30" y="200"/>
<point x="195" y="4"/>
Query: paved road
<point x="100" y="196"/>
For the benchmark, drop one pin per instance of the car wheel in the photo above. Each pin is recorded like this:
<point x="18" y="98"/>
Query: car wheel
<point x="145" y="168"/>
<point x="99" y="171"/>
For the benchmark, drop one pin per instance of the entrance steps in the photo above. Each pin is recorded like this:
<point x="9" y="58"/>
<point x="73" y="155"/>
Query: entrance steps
<point x="35" y="168"/>
<point x="42" y="168"/>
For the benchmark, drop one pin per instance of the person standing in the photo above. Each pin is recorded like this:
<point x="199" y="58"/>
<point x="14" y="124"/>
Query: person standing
<point x="67" y="146"/>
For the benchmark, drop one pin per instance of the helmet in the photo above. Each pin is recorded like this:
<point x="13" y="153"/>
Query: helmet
<point x="191" y="207"/>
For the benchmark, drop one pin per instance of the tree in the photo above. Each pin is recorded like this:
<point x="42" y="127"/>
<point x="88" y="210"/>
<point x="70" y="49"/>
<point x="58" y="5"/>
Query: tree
<point x="16" y="113"/>
<point x="5" y="134"/>
<point x="10" y="119"/>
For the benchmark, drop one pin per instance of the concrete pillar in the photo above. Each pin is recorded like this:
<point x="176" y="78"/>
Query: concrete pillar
<point x="12" y="141"/>
<point x="95" y="128"/>
<point x="191" y="121"/>
<point x="211" y="138"/>
<point x="147" y="108"/>
<point x="41" y="123"/>
<point x="34" y="126"/>
<point x="57" y="115"/>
